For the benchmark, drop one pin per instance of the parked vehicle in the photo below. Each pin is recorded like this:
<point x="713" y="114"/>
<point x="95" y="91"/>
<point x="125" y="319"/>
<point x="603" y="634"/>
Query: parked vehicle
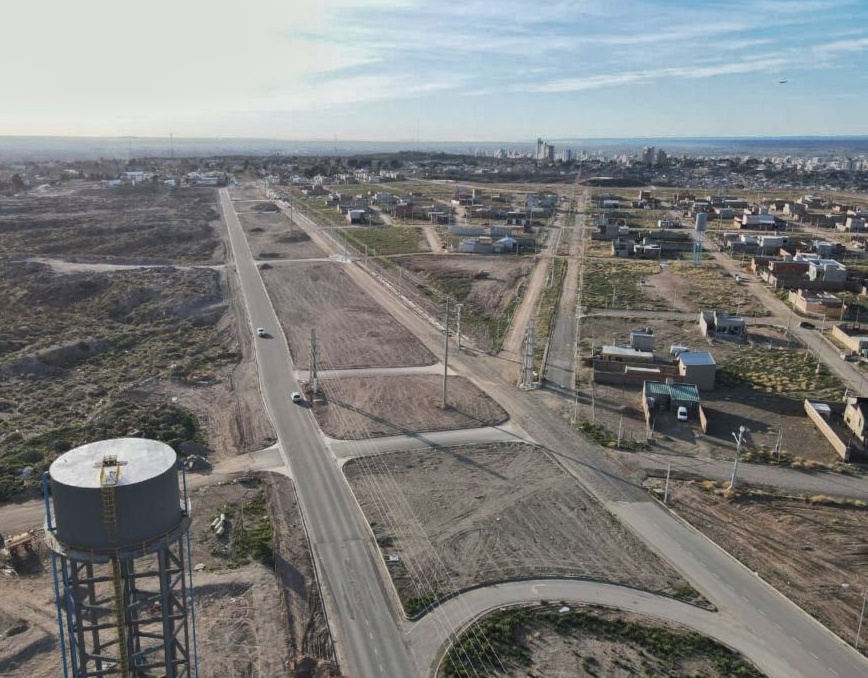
<point x="808" y="326"/>
<point x="682" y="413"/>
<point x="296" y="397"/>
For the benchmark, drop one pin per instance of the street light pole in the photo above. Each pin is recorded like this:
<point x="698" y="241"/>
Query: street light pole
<point x="861" y="613"/>
<point x="738" y="442"/>
<point x="861" y="617"/>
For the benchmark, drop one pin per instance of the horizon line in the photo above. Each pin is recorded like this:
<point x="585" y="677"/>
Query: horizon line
<point x="331" y="140"/>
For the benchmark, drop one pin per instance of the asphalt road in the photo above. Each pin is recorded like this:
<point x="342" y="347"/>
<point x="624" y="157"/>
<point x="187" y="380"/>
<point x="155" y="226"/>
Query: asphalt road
<point x="460" y="613"/>
<point x="368" y="639"/>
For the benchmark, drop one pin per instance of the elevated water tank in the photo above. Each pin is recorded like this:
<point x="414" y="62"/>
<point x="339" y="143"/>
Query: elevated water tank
<point x="145" y="503"/>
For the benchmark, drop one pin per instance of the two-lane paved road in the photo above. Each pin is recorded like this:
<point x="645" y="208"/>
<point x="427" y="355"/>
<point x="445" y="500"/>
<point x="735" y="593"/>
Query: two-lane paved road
<point x="361" y="617"/>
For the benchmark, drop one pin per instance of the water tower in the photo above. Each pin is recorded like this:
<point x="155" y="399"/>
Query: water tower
<point x="118" y="524"/>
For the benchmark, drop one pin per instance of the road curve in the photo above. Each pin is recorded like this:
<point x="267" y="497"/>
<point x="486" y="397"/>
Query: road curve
<point x="456" y="613"/>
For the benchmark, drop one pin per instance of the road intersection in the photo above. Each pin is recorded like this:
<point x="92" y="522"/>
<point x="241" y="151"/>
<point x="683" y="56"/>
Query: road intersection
<point x="375" y="640"/>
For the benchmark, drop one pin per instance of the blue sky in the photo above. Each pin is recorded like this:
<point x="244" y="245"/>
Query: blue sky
<point x="440" y="70"/>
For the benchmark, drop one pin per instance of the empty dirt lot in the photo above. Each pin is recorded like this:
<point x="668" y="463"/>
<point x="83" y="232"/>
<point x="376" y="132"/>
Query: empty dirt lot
<point x="363" y="407"/>
<point x="489" y="287"/>
<point x="272" y="235"/>
<point x="352" y="329"/>
<point x="803" y="548"/>
<point x="462" y="516"/>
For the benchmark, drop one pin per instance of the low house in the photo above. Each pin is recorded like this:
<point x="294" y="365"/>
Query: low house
<point x="642" y="340"/>
<point x="721" y="325"/>
<point x="821" y="303"/>
<point x="356" y="216"/>
<point x="856" y="416"/>
<point x="626" y="354"/>
<point x="623" y="247"/>
<point x="827" y="270"/>
<point x="756" y="221"/>
<point x="663" y="396"/>
<point x="852" y="225"/>
<point x="853" y="338"/>
<point x="698" y="368"/>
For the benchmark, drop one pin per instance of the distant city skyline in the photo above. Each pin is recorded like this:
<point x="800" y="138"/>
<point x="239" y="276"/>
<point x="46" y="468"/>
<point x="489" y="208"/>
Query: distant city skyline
<point x="413" y="70"/>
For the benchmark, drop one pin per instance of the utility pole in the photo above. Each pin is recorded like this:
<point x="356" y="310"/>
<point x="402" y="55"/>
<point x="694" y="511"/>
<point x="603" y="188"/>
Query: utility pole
<point x="458" y="325"/>
<point x="445" y="351"/>
<point x="314" y="382"/>
<point x="861" y="616"/>
<point x="527" y="380"/>
<point x="620" y="431"/>
<point x="666" y="488"/>
<point x="738" y="443"/>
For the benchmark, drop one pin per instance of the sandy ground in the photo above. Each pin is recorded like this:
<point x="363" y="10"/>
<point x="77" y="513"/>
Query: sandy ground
<point x="462" y="516"/>
<point x="358" y="408"/>
<point x="352" y="329"/>
<point x="806" y="551"/>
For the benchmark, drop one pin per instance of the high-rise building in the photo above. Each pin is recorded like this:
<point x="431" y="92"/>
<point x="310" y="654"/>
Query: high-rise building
<point x="544" y="151"/>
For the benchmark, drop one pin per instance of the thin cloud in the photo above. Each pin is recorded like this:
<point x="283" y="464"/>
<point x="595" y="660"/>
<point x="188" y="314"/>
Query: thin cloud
<point x="682" y="72"/>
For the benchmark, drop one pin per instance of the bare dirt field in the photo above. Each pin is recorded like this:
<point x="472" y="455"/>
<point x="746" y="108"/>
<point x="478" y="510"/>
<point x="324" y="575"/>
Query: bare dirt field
<point x="137" y="224"/>
<point x="673" y="285"/>
<point x="363" y="407"/>
<point x="685" y="287"/>
<point x="272" y="235"/>
<point x="462" y="516"/>
<point x="489" y="287"/>
<point x="352" y="329"/>
<point x="249" y="622"/>
<point x="803" y="548"/>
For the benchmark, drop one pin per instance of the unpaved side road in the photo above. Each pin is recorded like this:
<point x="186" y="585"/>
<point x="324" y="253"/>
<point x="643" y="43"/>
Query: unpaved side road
<point x="560" y="366"/>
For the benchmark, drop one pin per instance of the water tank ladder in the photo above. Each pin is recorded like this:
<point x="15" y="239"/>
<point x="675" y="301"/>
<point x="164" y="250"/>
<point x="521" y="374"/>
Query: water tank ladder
<point x="109" y="476"/>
